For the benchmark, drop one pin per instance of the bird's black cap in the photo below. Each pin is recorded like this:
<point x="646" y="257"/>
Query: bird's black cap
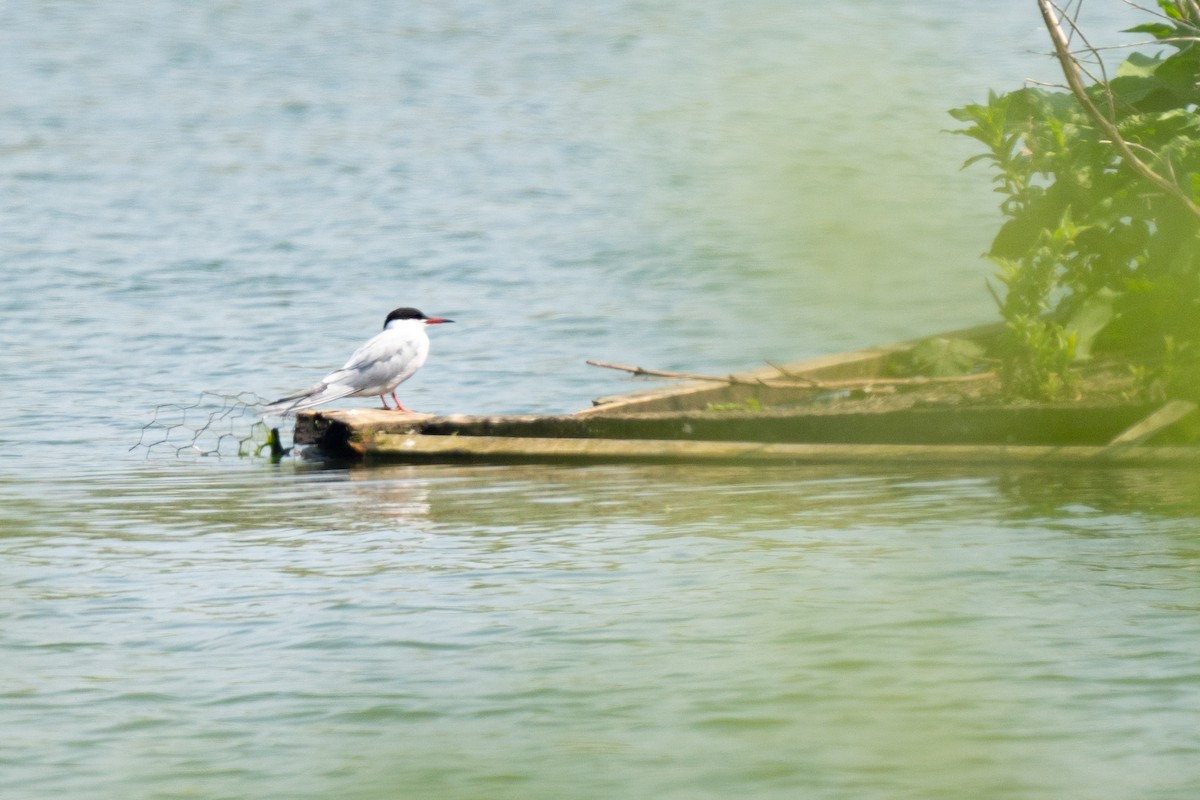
<point x="411" y="313"/>
<point x="403" y="313"/>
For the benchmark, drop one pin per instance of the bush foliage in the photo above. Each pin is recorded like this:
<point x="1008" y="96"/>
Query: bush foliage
<point x="1092" y="255"/>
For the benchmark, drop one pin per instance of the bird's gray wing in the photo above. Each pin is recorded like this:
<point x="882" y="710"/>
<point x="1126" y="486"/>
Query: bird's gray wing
<point x="377" y="366"/>
<point x="374" y="368"/>
<point x="312" y="396"/>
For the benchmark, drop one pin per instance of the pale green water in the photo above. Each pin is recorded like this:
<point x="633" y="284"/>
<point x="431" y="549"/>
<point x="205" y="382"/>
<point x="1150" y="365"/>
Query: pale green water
<point x="540" y="632"/>
<point x="230" y="196"/>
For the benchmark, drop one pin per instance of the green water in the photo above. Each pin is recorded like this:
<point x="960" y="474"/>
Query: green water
<point x="542" y="632"/>
<point x="231" y="196"/>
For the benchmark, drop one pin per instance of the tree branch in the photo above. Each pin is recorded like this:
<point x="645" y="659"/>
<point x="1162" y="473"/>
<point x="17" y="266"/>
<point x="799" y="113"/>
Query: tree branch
<point x="1072" y="72"/>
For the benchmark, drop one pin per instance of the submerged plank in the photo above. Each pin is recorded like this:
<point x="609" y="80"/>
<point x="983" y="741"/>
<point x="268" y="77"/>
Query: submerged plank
<point x="1032" y="425"/>
<point x="1157" y="422"/>
<point x="419" y="447"/>
<point x="372" y="435"/>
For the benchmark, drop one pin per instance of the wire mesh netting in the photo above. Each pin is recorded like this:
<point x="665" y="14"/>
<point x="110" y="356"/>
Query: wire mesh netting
<point x="215" y="424"/>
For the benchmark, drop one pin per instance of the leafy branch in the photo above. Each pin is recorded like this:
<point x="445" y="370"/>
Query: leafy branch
<point x="1100" y="186"/>
<point x="1051" y="15"/>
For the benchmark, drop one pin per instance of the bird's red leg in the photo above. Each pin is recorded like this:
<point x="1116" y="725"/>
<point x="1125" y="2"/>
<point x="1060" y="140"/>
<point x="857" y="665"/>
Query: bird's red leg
<point x="383" y="399"/>
<point x="400" y="407"/>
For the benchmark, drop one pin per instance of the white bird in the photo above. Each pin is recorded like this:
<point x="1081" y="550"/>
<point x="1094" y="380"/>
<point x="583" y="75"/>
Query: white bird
<point x="387" y="360"/>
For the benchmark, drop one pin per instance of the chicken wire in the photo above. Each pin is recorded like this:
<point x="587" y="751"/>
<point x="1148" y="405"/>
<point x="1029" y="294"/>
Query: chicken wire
<point x="215" y="424"/>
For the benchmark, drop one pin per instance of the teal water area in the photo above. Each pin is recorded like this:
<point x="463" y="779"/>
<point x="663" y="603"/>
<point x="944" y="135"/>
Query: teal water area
<point x="231" y="196"/>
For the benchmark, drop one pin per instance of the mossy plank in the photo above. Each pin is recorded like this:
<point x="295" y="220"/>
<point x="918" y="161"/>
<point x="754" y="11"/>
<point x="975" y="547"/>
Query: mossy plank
<point x="1042" y="425"/>
<point x="1161" y="419"/>
<point x="386" y="447"/>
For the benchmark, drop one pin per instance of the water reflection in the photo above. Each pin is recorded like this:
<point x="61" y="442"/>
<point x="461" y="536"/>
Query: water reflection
<point x="1156" y="492"/>
<point x="250" y="497"/>
<point x="733" y="499"/>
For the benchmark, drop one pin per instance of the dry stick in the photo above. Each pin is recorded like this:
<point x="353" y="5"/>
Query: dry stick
<point x="1071" y="71"/>
<point x="792" y="376"/>
<point x="793" y="380"/>
<point x="1193" y="7"/>
<point x="658" y="373"/>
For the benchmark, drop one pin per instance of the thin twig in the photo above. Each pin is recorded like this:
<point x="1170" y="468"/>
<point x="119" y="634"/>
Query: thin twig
<point x="1046" y="84"/>
<point x="1109" y="95"/>
<point x="1146" y="43"/>
<point x="792" y="376"/>
<point x="795" y="381"/>
<point x="1154" y="12"/>
<point x="1192" y="5"/>
<point x="1071" y="70"/>
<point x="658" y="373"/>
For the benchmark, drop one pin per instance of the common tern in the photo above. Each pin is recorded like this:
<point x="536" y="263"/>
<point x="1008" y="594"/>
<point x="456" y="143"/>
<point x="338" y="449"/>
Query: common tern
<point x="387" y="360"/>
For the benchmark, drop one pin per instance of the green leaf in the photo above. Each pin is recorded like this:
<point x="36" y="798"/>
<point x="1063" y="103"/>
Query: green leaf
<point x="1133" y="90"/>
<point x="1138" y="65"/>
<point x="940" y="357"/>
<point x="976" y="158"/>
<point x="1169" y="82"/>
<point x="1089" y="320"/>
<point x="1159" y="30"/>
<point x="1180" y="72"/>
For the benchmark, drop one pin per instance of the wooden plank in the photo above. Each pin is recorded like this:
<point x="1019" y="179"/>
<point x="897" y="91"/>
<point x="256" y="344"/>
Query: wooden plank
<point x="1157" y="422"/>
<point x="1047" y="425"/>
<point x="326" y="426"/>
<point x="386" y="447"/>
<point x="1043" y="425"/>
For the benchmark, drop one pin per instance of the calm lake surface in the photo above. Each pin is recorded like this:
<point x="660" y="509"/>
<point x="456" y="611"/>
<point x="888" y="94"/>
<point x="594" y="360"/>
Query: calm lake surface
<point x="230" y="197"/>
